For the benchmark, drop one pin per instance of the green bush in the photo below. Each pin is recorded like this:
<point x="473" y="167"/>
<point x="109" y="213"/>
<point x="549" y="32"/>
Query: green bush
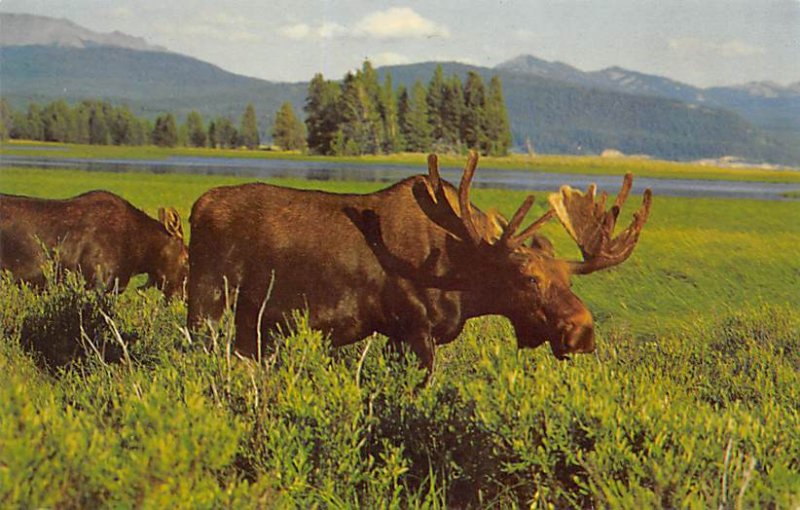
<point x="704" y="416"/>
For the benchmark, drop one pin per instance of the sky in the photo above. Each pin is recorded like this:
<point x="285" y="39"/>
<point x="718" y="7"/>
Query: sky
<point x="700" y="42"/>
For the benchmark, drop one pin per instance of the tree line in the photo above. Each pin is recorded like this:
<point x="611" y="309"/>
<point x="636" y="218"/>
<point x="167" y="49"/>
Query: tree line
<point x="356" y="116"/>
<point x="101" y="123"/>
<point x="359" y="115"/>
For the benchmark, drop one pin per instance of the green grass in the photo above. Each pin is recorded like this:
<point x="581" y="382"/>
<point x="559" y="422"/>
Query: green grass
<point x="592" y="165"/>
<point x="690" y="400"/>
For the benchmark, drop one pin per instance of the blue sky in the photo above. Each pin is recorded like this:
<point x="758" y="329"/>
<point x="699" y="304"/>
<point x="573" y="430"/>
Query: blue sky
<point x="703" y="43"/>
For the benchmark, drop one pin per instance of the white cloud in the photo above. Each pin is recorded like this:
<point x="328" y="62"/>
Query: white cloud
<point x="399" y="23"/>
<point x="392" y="23"/>
<point x="208" y="31"/>
<point x="330" y="30"/>
<point x="217" y="26"/>
<point x="388" y="58"/>
<point x="121" y="13"/>
<point x="298" y="31"/>
<point x="728" y="49"/>
<point x="305" y="31"/>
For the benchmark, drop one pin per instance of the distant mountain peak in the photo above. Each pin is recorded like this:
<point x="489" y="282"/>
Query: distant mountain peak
<point x="33" y="30"/>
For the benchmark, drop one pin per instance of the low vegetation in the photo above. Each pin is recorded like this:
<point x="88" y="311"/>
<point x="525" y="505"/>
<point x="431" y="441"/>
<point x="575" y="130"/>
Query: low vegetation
<point x="690" y="400"/>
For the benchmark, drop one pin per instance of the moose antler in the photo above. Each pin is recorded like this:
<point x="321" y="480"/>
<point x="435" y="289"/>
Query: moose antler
<point x="508" y="238"/>
<point x="463" y="197"/>
<point x="592" y="227"/>
<point x="171" y="220"/>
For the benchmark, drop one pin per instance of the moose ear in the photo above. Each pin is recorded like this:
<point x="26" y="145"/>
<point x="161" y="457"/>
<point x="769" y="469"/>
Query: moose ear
<point x="171" y="220"/>
<point x="542" y="243"/>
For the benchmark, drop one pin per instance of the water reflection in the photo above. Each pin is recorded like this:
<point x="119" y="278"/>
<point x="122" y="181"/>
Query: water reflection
<point x="326" y="170"/>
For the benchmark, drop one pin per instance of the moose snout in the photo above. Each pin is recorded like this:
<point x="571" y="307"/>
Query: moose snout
<point x="580" y="338"/>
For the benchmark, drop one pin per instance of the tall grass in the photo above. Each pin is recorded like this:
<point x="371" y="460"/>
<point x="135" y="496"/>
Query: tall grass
<point x="703" y="417"/>
<point x="690" y="400"/>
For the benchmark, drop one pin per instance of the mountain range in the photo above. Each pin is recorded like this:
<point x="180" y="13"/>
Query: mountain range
<point x="552" y="106"/>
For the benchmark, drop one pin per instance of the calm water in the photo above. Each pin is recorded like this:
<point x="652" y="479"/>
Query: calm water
<point x="325" y="170"/>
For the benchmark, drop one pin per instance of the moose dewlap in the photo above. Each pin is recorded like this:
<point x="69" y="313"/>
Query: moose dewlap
<point x="412" y="262"/>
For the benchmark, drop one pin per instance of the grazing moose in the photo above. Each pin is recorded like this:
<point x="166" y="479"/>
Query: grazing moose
<point x="98" y="233"/>
<point x="413" y="262"/>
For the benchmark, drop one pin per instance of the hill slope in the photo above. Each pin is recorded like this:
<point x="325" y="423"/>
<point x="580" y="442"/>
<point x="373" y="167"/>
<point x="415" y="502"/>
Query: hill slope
<point x="561" y="117"/>
<point x="558" y="117"/>
<point x="768" y="105"/>
<point x="27" y="29"/>
<point x="149" y="82"/>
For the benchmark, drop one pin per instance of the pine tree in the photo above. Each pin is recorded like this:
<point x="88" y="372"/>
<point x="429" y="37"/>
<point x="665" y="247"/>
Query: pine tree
<point x="165" y="132"/>
<point x="497" y="129"/>
<point x="212" y="135"/>
<point x="195" y="130"/>
<point x="288" y="132"/>
<point x="392" y="139"/>
<point x="435" y="99"/>
<point x="225" y="134"/>
<point x="403" y="111"/>
<point x="57" y="121"/>
<point x="452" y="113"/>
<point x="473" y="120"/>
<point x="98" y="126"/>
<point x="6" y="119"/>
<point x="418" y="129"/>
<point x="35" y="122"/>
<point x="322" y="114"/>
<point x="81" y="115"/>
<point x="248" y="132"/>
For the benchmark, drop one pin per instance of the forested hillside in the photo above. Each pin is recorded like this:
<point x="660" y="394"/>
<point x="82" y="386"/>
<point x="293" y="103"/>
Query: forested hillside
<point x="554" y="116"/>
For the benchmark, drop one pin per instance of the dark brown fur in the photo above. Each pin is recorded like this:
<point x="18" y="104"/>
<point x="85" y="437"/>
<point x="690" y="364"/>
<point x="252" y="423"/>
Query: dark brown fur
<point x="397" y="262"/>
<point x="98" y="233"/>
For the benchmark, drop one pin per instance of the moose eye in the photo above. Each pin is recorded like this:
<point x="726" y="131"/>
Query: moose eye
<point x="532" y="281"/>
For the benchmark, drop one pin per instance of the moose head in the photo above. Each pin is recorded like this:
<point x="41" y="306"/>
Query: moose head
<point x="526" y="281"/>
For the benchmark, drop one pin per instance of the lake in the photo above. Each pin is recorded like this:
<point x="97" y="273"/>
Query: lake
<point x="485" y="177"/>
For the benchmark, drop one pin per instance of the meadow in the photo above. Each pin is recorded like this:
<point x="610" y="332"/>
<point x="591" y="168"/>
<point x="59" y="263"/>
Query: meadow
<point x="691" y="399"/>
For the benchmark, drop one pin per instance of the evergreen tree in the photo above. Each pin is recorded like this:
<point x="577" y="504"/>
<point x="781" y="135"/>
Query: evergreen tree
<point x="497" y="128"/>
<point x="435" y="99"/>
<point x="418" y="129"/>
<point x="56" y="121"/>
<point x="473" y="122"/>
<point x="322" y="114"/>
<point x="6" y="119"/>
<point x="288" y="132"/>
<point x="98" y="126"/>
<point x="35" y="122"/>
<point x="357" y="119"/>
<point x="225" y="134"/>
<point x="212" y="134"/>
<point x="403" y="111"/>
<point x="165" y="132"/>
<point x="81" y="115"/>
<point x="392" y="138"/>
<point x="452" y="113"/>
<point x="195" y="130"/>
<point x="248" y="132"/>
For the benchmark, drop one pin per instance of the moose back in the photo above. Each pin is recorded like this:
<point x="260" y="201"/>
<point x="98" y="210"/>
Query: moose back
<point x="413" y="262"/>
<point x="99" y="233"/>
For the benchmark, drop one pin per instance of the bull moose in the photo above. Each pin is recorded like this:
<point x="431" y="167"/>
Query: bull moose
<point x="412" y="262"/>
<point x="99" y="233"/>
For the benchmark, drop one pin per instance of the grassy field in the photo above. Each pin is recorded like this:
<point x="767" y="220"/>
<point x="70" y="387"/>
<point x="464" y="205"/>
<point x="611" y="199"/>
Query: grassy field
<point x="592" y="165"/>
<point x="690" y="401"/>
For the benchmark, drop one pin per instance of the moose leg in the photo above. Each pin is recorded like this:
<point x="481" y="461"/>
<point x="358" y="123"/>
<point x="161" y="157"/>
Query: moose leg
<point x="246" y="328"/>
<point x="424" y="347"/>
